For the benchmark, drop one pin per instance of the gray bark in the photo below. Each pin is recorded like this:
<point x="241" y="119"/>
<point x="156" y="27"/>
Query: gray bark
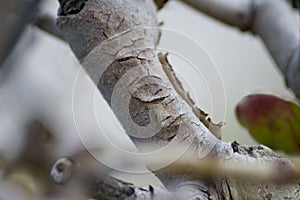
<point x="115" y="41"/>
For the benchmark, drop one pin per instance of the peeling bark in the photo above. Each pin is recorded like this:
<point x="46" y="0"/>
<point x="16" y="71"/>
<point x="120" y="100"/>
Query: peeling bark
<point x="115" y="41"/>
<point x="202" y="116"/>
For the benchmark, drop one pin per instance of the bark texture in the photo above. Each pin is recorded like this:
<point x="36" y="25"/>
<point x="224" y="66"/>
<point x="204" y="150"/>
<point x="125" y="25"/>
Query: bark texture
<point x="115" y="41"/>
<point x="109" y="188"/>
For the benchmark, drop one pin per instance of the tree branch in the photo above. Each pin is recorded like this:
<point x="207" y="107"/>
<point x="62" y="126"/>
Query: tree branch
<point x="115" y="41"/>
<point x="274" y="21"/>
<point x="109" y="188"/>
<point x="238" y="13"/>
<point x="14" y="14"/>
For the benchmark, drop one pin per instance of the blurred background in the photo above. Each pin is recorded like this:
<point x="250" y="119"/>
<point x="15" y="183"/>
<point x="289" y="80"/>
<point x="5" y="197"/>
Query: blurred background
<point x="217" y="64"/>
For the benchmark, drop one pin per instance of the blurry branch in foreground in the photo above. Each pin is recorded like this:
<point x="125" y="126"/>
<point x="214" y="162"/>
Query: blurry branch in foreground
<point x="99" y="185"/>
<point x="103" y="186"/>
<point x="276" y="22"/>
<point x="199" y="168"/>
<point x="14" y="14"/>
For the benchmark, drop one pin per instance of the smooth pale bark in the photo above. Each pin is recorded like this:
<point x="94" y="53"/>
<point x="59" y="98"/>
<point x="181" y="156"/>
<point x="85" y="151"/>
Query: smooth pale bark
<point x="115" y="41"/>
<point x="274" y="21"/>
